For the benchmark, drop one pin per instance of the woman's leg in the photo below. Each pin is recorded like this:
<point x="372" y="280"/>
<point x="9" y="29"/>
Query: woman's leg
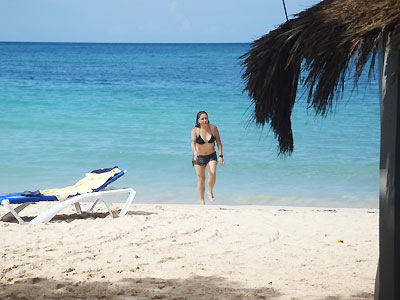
<point x="212" y="177"/>
<point x="201" y="180"/>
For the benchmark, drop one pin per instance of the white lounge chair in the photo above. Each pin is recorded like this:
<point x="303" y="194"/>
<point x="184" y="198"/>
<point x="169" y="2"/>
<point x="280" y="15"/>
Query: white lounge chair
<point x="95" y="196"/>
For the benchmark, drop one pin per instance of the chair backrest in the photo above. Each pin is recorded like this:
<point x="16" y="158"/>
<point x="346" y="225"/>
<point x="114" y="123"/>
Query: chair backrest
<point x="109" y="181"/>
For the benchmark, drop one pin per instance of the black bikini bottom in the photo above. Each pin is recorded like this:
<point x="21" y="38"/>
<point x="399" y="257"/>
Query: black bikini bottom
<point x="203" y="160"/>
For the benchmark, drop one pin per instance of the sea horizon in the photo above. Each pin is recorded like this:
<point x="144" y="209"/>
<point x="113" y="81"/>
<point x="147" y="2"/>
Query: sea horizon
<point x="122" y="43"/>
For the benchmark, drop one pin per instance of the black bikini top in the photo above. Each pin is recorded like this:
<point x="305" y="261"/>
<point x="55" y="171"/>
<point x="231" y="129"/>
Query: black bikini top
<point x="200" y="140"/>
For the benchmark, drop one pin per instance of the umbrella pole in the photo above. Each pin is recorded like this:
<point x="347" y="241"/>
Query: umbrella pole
<point x="387" y="286"/>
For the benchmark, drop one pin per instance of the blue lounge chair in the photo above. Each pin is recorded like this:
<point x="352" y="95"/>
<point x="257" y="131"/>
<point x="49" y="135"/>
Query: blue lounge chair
<point x="97" y="194"/>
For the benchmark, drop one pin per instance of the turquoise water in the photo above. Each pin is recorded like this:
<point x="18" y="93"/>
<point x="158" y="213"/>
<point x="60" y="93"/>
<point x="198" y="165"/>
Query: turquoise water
<point x="71" y="108"/>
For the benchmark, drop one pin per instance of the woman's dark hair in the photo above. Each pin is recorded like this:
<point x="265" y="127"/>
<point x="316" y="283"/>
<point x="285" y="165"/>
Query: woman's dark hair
<point x="198" y="116"/>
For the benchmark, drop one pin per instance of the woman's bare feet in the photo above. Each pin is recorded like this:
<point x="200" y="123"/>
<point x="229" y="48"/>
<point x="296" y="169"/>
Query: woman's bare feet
<point x="202" y="202"/>
<point x="211" y="196"/>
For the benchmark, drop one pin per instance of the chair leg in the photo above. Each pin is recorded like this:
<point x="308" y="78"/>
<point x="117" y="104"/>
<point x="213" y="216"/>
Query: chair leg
<point x="17" y="210"/>
<point x="105" y="203"/>
<point x="128" y="203"/>
<point x="78" y="208"/>
<point x="108" y="207"/>
<point x="14" y="212"/>
<point x="94" y="204"/>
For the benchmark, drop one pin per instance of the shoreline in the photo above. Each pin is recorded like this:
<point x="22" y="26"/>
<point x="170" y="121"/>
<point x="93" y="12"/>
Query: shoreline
<point x="189" y="251"/>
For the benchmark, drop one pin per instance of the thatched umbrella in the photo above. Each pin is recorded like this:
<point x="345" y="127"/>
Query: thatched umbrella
<point x="326" y="42"/>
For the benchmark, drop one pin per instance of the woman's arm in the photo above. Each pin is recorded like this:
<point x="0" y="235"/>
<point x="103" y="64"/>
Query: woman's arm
<point x="193" y="143"/>
<point x="219" y="144"/>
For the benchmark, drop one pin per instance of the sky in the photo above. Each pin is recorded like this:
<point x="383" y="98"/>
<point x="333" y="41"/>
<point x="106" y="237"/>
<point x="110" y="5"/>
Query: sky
<point x="143" y="21"/>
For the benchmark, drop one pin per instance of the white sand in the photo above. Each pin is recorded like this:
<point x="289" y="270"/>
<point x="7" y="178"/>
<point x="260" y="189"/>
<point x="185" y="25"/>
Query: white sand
<point x="193" y="252"/>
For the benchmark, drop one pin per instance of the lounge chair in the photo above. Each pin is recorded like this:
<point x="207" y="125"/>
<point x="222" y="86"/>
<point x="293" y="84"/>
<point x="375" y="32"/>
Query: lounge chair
<point x="94" y="195"/>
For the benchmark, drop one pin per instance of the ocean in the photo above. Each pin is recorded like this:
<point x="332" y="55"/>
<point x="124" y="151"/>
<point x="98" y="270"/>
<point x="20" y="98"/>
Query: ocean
<point x="69" y="108"/>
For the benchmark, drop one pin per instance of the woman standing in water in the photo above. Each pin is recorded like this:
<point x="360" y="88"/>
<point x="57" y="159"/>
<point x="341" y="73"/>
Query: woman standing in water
<point x="204" y="136"/>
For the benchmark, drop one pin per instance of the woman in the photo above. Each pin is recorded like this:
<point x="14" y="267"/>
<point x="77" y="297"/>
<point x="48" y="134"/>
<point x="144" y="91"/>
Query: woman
<point x="204" y="136"/>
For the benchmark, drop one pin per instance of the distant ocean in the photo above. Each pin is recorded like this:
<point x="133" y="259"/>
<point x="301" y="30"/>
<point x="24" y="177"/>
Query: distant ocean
<point x="69" y="108"/>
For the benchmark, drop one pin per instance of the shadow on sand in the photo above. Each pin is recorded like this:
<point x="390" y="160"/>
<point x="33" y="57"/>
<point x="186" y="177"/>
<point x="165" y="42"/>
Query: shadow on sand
<point x="74" y="216"/>
<point x="361" y="296"/>
<point x="196" y="287"/>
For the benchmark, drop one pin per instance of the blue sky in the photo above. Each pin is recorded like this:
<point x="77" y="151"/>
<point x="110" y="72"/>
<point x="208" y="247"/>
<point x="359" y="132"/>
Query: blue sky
<point x="142" y="21"/>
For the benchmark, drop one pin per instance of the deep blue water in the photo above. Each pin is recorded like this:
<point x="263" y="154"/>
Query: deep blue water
<point x="68" y="108"/>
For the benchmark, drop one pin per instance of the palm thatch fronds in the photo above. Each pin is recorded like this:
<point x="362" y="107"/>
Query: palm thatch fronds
<point x="325" y="41"/>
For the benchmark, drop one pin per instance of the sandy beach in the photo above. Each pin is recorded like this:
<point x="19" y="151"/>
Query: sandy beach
<point x="192" y="252"/>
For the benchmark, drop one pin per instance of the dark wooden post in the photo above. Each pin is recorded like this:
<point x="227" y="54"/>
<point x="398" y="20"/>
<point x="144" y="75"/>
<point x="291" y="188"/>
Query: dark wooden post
<point x="388" y="277"/>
